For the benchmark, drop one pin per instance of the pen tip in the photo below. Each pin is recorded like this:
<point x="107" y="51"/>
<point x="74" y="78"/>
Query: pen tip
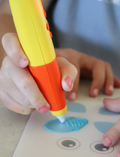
<point x="61" y="118"/>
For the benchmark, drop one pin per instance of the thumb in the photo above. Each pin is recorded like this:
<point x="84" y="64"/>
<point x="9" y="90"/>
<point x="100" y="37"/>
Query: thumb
<point x="68" y="72"/>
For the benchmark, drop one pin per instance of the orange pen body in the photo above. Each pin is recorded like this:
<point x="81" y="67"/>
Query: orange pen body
<point x="48" y="79"/>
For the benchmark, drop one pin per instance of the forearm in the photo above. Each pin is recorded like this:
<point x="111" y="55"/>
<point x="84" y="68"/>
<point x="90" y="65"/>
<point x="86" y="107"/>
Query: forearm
<point x="6" y="25"/>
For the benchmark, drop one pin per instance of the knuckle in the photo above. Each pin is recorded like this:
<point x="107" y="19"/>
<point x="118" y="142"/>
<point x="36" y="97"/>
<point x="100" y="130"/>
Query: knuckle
<point x="24" y="82"/>
<point x="70" y="50"/>
<point x="107" y="65"/>
<point x="26" y="102"/>
<point x="101" y="63"/>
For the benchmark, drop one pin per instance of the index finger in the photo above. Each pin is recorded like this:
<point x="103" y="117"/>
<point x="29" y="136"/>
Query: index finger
<point x="14" y="50"/>
<point x="112" y="136"/>
<point x="98" y="76"/>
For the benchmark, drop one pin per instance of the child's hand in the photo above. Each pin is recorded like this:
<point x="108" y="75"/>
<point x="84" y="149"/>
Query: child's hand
<point x="112" y="136"/>
<point x="18" y="90"/>
<point x="88" y="67"/>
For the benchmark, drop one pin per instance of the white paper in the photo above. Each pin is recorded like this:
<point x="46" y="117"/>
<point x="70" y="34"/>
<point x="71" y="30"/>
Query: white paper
<point x="38" y="142"/>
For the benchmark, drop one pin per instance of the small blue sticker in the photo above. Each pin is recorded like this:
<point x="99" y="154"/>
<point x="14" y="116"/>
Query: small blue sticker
<point x="75" y="107"/>
<point x="71" y="124"/>
<point x="103" y="126"/>
<point x="105" y="111"/>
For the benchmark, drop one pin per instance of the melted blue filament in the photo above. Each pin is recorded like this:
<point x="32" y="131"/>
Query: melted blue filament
<point x="71" y="124"/>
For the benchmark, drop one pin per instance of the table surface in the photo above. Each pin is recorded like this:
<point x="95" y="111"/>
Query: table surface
<point x="13" y="124"/>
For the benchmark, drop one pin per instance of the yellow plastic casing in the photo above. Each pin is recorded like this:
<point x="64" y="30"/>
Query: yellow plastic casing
<point x="34" y="36"/>
<point x="31" y="14"/>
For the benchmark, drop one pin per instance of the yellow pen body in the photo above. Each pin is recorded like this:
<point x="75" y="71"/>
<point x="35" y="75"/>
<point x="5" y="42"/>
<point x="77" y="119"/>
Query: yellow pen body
<point x="34" y="36"/>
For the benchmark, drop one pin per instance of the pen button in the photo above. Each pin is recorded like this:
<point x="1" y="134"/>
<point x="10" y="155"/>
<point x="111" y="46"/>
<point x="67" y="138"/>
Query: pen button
<point x="51" y="34"/>
<point x="45" y="14"/>
<point x="47" y="26"/>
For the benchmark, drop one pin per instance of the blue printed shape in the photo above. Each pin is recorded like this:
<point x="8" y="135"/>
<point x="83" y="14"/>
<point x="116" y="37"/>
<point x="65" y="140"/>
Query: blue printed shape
<point x="75" y="107"/>
<point x="71" y="124"/>
<point x="105" y="111"/>
<point x="103" y="126"/>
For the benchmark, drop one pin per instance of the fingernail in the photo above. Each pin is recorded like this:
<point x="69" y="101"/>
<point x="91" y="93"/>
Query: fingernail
<point x="95" y="92"/>
<point x="108" y="141"/>
<point x="111" y="88"/>
<point x="68" y="81"/>
<point x="43" y="109"/>
<point x="23" y="62"/>
<point x="73" y="96"/>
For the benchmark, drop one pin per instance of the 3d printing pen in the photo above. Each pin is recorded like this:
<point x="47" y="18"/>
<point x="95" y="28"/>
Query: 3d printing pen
<point x="35" y="38"/>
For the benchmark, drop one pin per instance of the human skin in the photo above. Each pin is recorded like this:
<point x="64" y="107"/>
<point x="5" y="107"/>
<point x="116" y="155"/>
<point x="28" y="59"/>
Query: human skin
<point x="15" y="75"/>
